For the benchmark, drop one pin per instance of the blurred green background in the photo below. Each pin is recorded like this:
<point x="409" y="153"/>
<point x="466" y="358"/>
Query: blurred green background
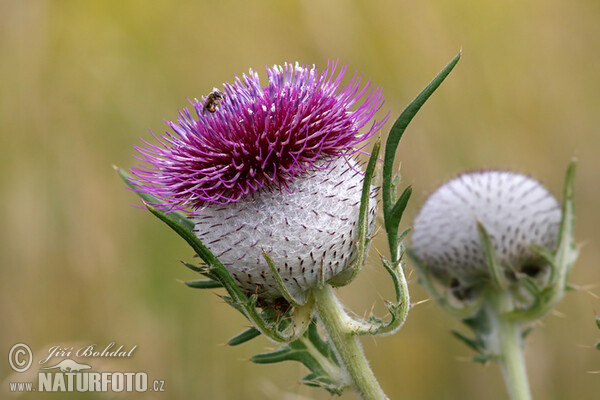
<point x="81" y="81"/>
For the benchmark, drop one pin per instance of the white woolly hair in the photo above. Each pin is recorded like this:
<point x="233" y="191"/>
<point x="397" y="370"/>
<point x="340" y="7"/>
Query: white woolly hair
<point x="515" y="210"/>
<point x="308" y="231"/>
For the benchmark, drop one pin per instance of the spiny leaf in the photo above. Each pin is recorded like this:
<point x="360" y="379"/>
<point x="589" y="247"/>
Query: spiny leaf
<point x="286" y="353"/>
<point x="391" y="146"/>
<point x="244" y="337"/>
<point x="217" y="271"/>
<point x="323" y="382"/>
<point x="347" y="275"/>
<point x="192" y="267"/>
<point x="567" y="253"/>
<point x="474" y="344"/>
<point x="149" y="199"/>
<point x="282" y="354"/>
<point x="526" y="332"/>
<point x="400" y="206"/>
<point x="481" y="358"/>
<point x="312" y="333"/>
<point x="478" y="322"/>
<point x="498" y="278"/>
<point x="203" y="284"/>
<point x="216" y="267"/>
<point x="281" y="284"/>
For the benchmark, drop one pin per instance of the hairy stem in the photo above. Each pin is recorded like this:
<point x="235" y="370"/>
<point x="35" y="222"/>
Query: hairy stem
<point x="348" y="350"/>
<point x="506" y="342"/>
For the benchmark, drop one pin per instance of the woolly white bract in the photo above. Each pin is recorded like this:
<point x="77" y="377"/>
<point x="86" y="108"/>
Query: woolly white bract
<point x="309" y="232"/>
<point x="516" y="210"/>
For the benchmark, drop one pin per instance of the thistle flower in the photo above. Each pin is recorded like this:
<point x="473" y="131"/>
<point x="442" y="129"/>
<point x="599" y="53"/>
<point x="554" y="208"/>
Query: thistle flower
<point x="516" y="210"/>
<point x="271" y="169"/>
<point x="259" y="137"/>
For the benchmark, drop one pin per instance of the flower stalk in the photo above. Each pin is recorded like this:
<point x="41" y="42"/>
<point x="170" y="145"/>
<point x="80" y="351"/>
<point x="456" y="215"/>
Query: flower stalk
<point x="347" y="348"/>
<point x="506" y="342"/>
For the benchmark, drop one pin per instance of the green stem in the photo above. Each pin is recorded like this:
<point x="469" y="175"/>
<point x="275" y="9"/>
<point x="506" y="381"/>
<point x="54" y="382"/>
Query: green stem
<point x="348" y="350"/>
<point x="506" y="342"/>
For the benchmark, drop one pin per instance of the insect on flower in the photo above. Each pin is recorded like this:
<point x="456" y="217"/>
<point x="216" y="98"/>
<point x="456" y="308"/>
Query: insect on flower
<point x="212" y="101"/>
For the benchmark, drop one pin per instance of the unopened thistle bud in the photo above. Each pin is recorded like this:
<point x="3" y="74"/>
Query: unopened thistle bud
<point x="516" y="211"/>
<point x="504" y="247"/>
<point x="270" y="168"/>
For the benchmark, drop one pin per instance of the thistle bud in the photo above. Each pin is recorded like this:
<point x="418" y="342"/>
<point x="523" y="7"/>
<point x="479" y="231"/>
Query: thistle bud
<point x="516" y="211"/>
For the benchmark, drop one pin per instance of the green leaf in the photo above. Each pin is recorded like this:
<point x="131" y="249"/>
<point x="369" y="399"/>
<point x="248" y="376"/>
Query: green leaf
<point x="474" y="344"/>
<point x="149" y="199"/>
<point x="287" y="353"/>
<point x="366" y="189"/>
<point x="398" y="310"/>
<point x="244" y="337"/>
<point x="246" y="305"/>
<point x="297" y="351"/>
<point x="324" y="382"/>
<point x="284" y="353"/>
<point x="316" y="355"/>
<point x="281" y="284"/>
<point x="479" y="323"/>
<point x="204" y="284"/>
<point x="346" y="276"/>
<point x="390" y="151"/>
<point x="203" y="270"/>
<point x="200" y="249"/>
<point x="567" y="253"/>
<point x="481" y="358"/>
<point x="598" y="321"/>
<point x="399" y="207"/>
<point x="312" y="334"/>
<point x="402" y="235"/>
<point x="194" y="268"/>
<point x="526" y="332"/>
<point x="396" y="273"/>
<point x="542" y="252"/>
<point x="489" y="253"/>
<point x="468" y="309"/>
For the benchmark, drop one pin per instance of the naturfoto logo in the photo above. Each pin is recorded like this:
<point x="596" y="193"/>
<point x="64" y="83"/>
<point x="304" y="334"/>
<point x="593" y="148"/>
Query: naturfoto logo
<point x="68" y="375"/>
<point x="68" y="365"/>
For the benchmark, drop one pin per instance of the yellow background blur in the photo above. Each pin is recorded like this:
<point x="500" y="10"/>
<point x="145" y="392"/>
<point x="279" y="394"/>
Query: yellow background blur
<point x="81" y="81"/>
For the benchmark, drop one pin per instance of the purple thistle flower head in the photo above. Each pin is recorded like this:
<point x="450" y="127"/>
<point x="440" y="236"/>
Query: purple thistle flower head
<point x="258" y="137"/>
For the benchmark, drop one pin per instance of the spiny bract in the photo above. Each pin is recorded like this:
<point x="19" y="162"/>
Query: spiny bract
<point x="309" y="233"/>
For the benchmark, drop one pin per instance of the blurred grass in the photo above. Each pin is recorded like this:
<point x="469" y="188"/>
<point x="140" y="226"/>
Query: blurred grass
<point x="81" y="81"/>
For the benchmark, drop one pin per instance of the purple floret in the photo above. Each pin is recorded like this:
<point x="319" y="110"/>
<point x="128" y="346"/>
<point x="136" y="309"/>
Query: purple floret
<point x="258" y="136"/>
